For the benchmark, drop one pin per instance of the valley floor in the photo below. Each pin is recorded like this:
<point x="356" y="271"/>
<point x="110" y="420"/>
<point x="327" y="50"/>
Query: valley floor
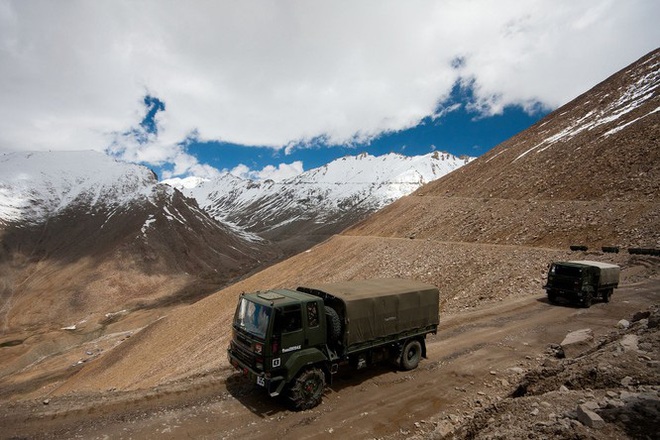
<point x="476" y="363"/>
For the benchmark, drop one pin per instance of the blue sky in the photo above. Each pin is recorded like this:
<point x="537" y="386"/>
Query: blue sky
<point x="268" y="89"/>
<point x="460" y="132"/>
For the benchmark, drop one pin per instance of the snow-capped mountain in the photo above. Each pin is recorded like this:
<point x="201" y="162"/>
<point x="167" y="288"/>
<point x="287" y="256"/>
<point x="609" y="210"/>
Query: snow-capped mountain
<point x="307" y="208"/>
<point x="34" y="186"/>
<point x="98" y="233"/>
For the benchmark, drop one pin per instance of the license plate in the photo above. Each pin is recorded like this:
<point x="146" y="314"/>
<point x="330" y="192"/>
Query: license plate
<point x="261" y="381"/>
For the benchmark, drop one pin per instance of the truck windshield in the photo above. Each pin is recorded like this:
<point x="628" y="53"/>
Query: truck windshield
<point x="252" y="317"/>
<point x="566" y="271"/>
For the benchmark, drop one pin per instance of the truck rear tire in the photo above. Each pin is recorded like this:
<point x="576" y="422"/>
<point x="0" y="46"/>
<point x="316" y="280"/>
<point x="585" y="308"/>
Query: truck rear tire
<point x="334" y="324"/>
<point x="606" y="295"/>
<point x="586" y="302"/>
<point x="412" y="353"/>
<point x="307" y="389"/>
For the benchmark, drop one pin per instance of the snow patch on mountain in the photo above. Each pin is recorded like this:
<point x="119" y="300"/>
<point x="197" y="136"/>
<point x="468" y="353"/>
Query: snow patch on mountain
<point x="147" y="224"/>
<point x="630" y="97"/>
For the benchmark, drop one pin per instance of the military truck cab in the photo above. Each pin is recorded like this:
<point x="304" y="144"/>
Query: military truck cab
<point x="293" y="341"/>
<point x="272" y="331"/>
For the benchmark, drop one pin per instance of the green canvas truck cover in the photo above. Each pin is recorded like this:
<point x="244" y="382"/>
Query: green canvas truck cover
<point x="609" y="273"/>
<point x="380" y="307"/>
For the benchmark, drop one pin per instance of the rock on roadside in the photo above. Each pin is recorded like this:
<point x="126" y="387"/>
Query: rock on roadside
<point x="577" y="342"/>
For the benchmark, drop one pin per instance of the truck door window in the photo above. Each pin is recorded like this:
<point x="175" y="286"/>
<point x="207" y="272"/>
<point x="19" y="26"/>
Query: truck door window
<point x="290" y="319"/>
<point x="312" y="314"/>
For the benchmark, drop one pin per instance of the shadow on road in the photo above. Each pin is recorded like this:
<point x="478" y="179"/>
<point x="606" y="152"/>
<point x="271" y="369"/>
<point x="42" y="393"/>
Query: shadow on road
<point x="254" y="397"/>
<point x="257" y="400"/>
<point x="563" y="302"/>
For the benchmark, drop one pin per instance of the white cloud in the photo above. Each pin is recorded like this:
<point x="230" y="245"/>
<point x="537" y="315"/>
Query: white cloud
<point x="242" y="171"/>
<point x="139" y="145"/>
<point x="73" y="74"/>
<point x="281" y="172"/>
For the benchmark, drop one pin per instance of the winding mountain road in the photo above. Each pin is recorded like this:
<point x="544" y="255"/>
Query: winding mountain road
<point x="476" y="359"/>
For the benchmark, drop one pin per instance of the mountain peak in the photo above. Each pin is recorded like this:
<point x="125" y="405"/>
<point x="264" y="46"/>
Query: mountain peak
<point x="304" y="209"/>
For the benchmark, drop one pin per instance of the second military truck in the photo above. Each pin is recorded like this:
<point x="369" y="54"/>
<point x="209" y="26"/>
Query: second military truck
<point x="582" y="281"/>
<point x="292" y="342"/>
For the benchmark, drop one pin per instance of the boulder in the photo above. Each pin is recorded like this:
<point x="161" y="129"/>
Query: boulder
<point x="577" y="342"/>
<point x="623" y="324"/>
<point x="630" y="343"/>
<point x="641" y="315"/>
<point x="589" y="418"/>
<point x="627" y="381"/>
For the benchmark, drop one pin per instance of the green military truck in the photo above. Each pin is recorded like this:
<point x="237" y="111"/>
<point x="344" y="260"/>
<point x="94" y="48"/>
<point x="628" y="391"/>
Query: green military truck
<point x="582" y="281"/>
<point x="292" y="342"/>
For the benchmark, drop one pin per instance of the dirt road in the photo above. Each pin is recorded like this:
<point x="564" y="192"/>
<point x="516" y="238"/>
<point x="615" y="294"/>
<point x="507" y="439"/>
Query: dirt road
<point x="476" y="359"/>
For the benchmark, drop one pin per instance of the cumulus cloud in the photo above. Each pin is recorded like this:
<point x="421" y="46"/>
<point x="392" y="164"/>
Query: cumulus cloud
<point x="142" y="144"/>
<point x="278" y="173"/>
<point x="73" y="74"/>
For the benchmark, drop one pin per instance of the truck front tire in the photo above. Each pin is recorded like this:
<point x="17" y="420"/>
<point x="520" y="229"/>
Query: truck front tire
<point x="412" y="353"/>
<point x="307" y="389"/>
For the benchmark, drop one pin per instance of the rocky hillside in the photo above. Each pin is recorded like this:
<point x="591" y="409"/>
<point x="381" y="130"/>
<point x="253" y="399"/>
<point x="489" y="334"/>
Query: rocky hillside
<point x="603" y="145"/>
<point x="588" y="173"/>
<point x="306" y="209"/>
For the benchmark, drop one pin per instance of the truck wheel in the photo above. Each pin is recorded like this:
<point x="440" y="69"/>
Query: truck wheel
<point x="552" y="298"/>
<point x="307" y="389"/>
<point x="586" y="302"/>
<point x="412" y="352"/>
<point x="334" y="324"/>
<point x="606" y="295"/>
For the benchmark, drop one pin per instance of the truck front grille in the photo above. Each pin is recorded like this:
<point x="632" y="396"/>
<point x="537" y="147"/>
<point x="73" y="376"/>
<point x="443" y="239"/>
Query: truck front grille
<point x="243" y="339"/>
<point x="243" y="355"/>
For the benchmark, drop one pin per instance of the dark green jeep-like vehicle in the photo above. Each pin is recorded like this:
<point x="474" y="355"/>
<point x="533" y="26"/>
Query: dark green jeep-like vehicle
<point x="293" y="341"/>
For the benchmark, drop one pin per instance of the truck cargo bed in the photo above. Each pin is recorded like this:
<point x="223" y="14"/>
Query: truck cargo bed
<point x="609" y="273"/>
<point x="375" y="309"/>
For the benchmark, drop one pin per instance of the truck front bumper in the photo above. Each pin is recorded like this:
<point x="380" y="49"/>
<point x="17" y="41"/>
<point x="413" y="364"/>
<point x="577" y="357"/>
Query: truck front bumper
<point x="273" y="385"/>
<point x="571" y="295"/>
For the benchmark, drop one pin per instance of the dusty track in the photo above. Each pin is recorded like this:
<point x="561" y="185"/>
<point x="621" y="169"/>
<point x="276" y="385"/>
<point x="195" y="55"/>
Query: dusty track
<point x="469" y="361"/>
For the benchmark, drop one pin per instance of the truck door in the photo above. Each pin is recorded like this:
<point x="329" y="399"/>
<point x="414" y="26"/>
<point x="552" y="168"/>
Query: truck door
<point x="289" y="326"/>
<point x="588" y="280"/>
